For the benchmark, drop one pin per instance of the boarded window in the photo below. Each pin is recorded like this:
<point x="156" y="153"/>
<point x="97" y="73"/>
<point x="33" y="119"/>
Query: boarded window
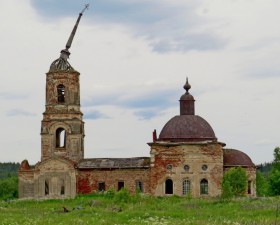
<point x="186" y="187"/>
<point x="120" y="185"/>
<point x="60" y="138"/>
<point x="47" y="191"/>
<point x="204" y="187"/>
<point x="60" y="93"/>
<point x="168" y="186"/>
<point x="101" y="186"/>
<point x="139" y="186"/>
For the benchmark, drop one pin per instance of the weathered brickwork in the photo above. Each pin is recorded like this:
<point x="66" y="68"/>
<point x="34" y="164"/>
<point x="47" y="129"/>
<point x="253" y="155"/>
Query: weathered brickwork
<point x="194" y="156"/>
<point x="62" y="112"/>
<point x="70" y="80"/>
<point x="51" y="178"/>
<point x="88" y="180"/>
<point x="26" y="183"/>
<point x="186" y="158"/>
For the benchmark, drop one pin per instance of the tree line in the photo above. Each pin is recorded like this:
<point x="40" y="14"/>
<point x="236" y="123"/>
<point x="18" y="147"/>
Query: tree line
<point x="8" y="169"/>
<point x="9" y="180"/>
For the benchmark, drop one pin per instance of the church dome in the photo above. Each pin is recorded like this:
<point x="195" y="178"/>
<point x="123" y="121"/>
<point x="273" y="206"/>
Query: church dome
<point x="187" y="126"/>
<point x="234" y="157"/>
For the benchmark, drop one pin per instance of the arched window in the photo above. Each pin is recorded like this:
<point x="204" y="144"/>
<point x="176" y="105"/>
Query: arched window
<point x="60" y="138"/>
<point x="186" y="187"/>
<point x="204" y="187"/>
<point x="60" y="93"/>
<point x="168" y="186"/>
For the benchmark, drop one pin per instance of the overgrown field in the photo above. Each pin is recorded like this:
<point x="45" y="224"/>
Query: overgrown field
<point x="121" y="208"/>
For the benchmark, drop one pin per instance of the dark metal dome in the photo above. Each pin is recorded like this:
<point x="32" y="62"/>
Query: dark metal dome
<point x="187" y="128"/>
<point x="234" y="157"/>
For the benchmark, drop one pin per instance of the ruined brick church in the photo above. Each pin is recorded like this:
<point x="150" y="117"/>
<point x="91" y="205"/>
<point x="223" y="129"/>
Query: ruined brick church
<point x="186" y="158"/>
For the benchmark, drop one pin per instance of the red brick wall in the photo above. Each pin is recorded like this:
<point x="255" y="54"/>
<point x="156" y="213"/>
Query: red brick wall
<point x="87" y="180"/>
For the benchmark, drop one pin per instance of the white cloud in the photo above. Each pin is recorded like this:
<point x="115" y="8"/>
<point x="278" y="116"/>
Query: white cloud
<point x="117" y="60"/>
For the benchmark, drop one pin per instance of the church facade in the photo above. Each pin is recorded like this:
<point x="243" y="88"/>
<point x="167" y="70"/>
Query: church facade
<point x="185" y="159"/>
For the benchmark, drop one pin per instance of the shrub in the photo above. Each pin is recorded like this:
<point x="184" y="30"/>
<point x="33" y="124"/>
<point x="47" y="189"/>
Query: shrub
<point x="236" y="179"/>
<point x="110" y="193"/>
<point x="227" y="192"/>
<point x="122" y="196"/>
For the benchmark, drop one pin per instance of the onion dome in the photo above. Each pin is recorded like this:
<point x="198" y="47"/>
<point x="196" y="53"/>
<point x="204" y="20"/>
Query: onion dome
<point x="187" y="126"/>
<point x="61" y="64"/>
<point x="233" y="157"/>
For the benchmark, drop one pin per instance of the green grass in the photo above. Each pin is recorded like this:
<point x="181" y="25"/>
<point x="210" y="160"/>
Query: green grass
<point x="125" y="209"/>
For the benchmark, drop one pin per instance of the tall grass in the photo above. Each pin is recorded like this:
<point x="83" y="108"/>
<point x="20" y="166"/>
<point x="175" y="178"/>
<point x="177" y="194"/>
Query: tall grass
<point x="122" y="208"/>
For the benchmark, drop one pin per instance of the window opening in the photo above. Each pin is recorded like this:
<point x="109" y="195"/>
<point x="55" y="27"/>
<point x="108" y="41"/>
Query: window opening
<point x="204" y="187"/>
<point x="186" y="168"/>
<point x="61" y="93"/>
<point x="120" y="185"/>
<point x="139" y="186"/>
<point x="169" y="167"/>
<point x="101" y="186"/>
<point x="186" y="187"/>
<point x="168" y="186"/>
<point x="204" y="167"/>
<point x="249" y="187"/>
<point x="60" y="138"/>
<point x="62" y="187"/>
<point x="46" y="187"/>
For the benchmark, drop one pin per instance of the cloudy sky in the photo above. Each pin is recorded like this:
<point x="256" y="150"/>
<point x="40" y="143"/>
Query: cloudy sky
<point x="134" y="56"/>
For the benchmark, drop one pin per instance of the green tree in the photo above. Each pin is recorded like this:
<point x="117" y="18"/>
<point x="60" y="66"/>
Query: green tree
<point x="262" y="185"/>
<point x="227" y="192"/>
<point x="276" y="161"/>
<point x="274" y="176"/>
<point x="9" y="188"/>
<point x="236" y="179"/>
<point x="274" y="182"/>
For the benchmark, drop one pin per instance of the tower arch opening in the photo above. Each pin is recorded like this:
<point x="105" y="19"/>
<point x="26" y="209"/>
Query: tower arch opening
<point x="60" y="93"/>
<point x="60" y="138"/>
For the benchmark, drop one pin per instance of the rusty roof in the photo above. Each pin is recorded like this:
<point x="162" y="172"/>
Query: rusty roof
<point x="114" y="163"/>
<point x="233" y="157"/>
<point x="187" y="128"/>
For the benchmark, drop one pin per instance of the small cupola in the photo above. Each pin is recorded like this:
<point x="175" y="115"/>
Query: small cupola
<point x="187" y="101"/>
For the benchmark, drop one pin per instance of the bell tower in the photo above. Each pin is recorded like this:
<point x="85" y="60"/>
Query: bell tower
<point x="62" y="127"/>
